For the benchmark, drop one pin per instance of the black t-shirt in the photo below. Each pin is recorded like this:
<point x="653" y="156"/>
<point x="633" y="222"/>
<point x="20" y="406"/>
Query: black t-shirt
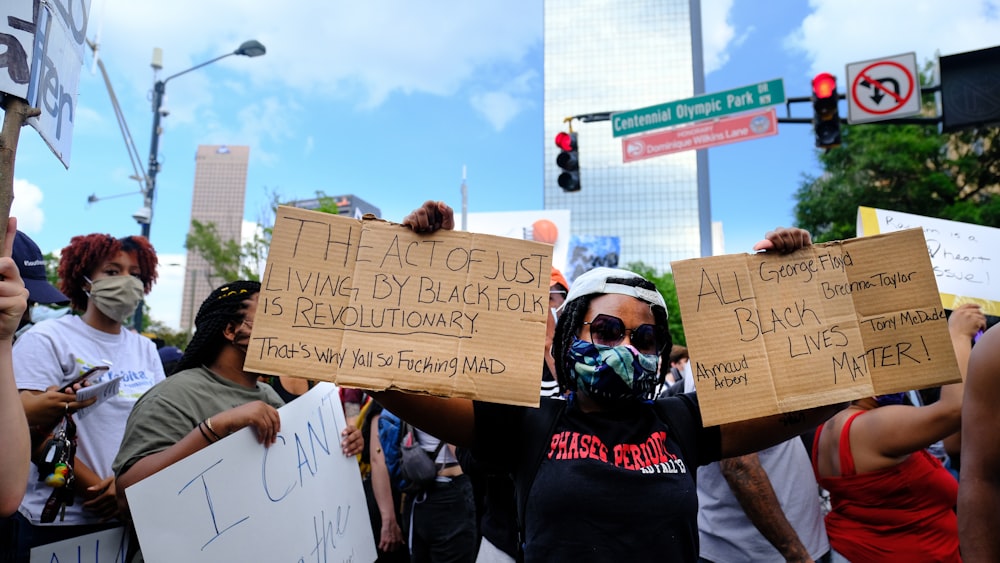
<point x="612" y="486"/>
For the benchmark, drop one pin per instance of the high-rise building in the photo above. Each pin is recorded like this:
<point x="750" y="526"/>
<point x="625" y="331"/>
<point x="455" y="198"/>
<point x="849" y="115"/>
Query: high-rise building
<point x="220" y="185"/>
<point x="614" y="56"/>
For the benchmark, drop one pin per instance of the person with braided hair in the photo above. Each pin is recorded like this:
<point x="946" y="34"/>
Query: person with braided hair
<point x="105" y="278"/>
<point x="609" y="473"/>
<point x="209" y="396"/>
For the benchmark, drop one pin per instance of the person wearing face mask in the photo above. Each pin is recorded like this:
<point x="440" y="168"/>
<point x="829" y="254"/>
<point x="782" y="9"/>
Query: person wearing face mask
<point x="608" y="473"/>
<point x="105" y="279"/>
<point x="891" y="500"/>
<point x="209" y="396"/>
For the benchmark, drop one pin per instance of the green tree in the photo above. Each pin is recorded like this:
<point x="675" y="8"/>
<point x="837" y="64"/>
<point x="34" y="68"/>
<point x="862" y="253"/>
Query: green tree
<point x="230" y="260"/>
<point x="665" y="284"/>
<point x="907" y="168"/>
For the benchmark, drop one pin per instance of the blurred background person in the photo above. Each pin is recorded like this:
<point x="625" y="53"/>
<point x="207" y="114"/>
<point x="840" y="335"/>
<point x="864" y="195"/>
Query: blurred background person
<point x="31" y="265"/>
<point x="979" y="488"/>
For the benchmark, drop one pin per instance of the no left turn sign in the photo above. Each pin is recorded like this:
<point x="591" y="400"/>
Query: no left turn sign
<point x="882" y="89"/>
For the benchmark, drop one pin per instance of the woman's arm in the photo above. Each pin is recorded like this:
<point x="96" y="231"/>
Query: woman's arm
<point x="749" y="436"/>
<point x="894" y="431"/>
<point x="16" y="453"/>
<point x="450" y="420"/>
<point x="262" y="417"/>
<point x="390" y="535"/>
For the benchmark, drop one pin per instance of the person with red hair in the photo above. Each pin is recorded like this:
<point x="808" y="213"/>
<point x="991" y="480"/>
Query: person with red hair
<point x="105" y="278"/>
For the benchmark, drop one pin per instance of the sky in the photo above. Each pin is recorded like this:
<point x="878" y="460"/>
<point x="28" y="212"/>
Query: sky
<point x="390" y="100"/>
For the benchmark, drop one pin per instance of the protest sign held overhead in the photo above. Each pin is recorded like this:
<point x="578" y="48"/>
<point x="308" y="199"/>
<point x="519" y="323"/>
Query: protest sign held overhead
<point x="829" y="323"/>
<point x="370" y="304"/>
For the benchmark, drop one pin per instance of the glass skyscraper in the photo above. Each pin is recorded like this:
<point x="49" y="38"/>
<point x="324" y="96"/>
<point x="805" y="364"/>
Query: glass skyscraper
<point x="605" y="56"/>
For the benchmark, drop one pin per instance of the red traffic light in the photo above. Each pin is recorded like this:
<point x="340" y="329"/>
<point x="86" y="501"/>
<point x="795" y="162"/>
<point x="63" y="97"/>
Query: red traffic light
<point x="824" y="85"/>
<point x="565" y="141"/>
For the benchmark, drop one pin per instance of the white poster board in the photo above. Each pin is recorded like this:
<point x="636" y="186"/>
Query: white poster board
<point x="107" y="546"/>
<point x="300" y="499"/>
<point x="41" y="53"/>
<point x="965" y="257"/>
<point x="17" y="33"/>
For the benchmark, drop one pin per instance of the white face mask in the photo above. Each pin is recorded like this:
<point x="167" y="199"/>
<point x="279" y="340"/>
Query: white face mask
<point x="116" y="296"/>
<point x="686" y="370"/>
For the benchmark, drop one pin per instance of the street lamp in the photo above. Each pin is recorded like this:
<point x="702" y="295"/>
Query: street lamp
<point x="144" y="216"/>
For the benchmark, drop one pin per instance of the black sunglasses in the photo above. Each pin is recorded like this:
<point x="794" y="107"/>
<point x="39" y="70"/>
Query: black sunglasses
<point x="607" y="330"/>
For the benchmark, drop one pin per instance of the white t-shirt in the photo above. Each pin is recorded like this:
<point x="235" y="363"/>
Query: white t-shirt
<point x="58" y="351"/>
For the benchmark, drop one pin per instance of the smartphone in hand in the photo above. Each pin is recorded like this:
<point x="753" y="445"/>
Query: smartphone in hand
<point x="92" y="372"/>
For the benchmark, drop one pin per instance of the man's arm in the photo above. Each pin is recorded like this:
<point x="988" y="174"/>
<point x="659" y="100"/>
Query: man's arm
<point x="753" y="490"/>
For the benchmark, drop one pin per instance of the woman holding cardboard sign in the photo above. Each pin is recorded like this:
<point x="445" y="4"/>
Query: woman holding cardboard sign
<point x="892" y="500"/>
<point x="614" y="468"/>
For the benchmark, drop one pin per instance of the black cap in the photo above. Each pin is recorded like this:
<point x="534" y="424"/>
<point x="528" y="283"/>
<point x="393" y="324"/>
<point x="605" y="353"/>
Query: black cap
<point x="31" y="263"/>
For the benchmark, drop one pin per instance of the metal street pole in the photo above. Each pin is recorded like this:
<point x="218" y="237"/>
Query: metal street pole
<point x="250" y="48"/>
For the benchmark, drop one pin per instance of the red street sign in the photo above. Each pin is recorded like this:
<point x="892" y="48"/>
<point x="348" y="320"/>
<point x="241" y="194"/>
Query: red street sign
<point x="701" y="135"/>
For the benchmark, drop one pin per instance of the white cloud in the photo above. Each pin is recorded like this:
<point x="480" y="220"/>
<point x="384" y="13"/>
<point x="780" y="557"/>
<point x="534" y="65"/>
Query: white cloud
<point x="839" y="32"/>
<point x="716" y="33"/>
<point x="27" y="206"/>
<point x="165" y="300"/>
<point x="365" y="51"/>
<point x="499" y="107"/>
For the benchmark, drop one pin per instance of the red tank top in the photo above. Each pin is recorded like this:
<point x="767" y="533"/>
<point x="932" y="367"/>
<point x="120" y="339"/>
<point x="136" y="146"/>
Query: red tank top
<point x="900" y="513"/>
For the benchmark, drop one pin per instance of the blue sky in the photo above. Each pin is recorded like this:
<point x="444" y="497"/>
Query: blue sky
<point x="389" y="99"/>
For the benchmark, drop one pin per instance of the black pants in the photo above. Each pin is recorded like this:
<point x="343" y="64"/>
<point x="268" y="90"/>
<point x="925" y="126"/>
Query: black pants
<point x="442" y="523"/>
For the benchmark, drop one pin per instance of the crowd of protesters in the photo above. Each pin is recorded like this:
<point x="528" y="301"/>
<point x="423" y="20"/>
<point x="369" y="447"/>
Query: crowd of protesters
<point x="860" y="485"/>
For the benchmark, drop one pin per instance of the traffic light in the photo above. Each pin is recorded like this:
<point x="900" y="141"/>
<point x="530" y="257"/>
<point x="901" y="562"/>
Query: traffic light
<point x="826" y="115"/>
<point x="569" y="161"/>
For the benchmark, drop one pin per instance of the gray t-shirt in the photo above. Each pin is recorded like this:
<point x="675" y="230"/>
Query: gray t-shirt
<point x="174" y="407"/>
<point x="725" y="532"/>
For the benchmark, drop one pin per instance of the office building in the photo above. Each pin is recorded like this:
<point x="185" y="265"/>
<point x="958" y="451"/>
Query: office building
<point x="348" y="205"/>
<point x="220" y="185"/>
<point x="614" y="56"/>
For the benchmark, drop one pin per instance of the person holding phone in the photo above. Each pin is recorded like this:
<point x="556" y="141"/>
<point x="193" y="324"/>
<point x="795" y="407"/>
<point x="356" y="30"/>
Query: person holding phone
<point x="105" y="278"/>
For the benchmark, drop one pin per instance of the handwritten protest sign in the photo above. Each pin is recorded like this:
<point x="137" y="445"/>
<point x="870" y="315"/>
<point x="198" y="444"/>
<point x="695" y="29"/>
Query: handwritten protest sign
<point x="41" y="52"/>
<point x="106" y="546"/>
<point x="370" y="304"/>
<point x="829" y="323"/>
<point x="298" y="500"/>
<point x="965" y="256"/>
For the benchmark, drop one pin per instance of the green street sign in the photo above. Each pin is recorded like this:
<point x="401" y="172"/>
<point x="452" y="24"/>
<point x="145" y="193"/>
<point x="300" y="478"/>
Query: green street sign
<point x="707" y="106"/>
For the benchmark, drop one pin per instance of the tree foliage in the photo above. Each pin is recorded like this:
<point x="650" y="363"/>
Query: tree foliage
<point x="907" y="168"/>
<point x="665" y="284"/>
<point x="231" y="260"/>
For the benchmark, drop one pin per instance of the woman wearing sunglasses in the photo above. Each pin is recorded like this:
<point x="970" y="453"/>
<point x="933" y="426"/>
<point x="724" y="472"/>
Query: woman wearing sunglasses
<point x="609" y="473"/>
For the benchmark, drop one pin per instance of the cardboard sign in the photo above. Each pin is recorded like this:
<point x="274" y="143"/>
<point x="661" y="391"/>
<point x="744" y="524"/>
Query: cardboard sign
<point x="370" y="304"/>
<point x="965" y="256"/>
<point x="833" y="322"/>
<point x="106" y="546"/>
<point x="300" y="499"/>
